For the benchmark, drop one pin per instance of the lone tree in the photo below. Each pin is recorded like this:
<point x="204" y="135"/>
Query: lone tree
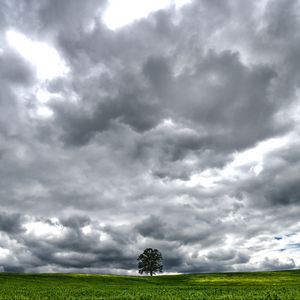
<point x="150" y="261"/>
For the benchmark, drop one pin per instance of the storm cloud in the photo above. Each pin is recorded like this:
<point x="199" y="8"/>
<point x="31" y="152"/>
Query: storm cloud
<point x="178" y="131"/>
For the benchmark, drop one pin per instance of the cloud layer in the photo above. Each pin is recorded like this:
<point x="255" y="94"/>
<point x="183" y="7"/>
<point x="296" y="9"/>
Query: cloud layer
<point x="179" y="131"/>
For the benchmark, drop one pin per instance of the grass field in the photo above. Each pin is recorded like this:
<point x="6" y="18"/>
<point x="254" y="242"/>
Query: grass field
<point x="247" y="286"/>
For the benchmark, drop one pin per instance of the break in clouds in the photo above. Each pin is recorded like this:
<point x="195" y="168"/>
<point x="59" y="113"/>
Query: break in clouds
<point x="179" y="131"/>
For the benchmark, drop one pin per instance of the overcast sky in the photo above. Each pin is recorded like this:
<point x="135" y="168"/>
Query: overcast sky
<point x="173" y="125"/>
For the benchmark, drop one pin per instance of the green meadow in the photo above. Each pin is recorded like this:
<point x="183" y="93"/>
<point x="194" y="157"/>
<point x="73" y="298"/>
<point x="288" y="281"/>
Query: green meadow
<point x="263" y="285"/>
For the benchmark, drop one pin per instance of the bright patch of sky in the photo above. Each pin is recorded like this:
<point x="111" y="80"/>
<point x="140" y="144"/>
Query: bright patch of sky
<point x="274" y="249"/>
<point x="47" y="63"/>
<point x="4" y="253"/>
<point x="120" y="13"/>
<point x="44" y="111"/>
<point x="45" y="230"/>
<point x="43" y="57"/>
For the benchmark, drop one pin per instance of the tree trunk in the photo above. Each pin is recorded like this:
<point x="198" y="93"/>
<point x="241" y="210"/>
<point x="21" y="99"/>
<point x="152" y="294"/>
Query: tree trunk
<point x="151" y="273"/>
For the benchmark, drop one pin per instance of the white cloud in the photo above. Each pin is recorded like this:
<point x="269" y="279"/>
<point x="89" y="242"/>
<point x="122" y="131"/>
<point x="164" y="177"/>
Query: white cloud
<point x="4" y="253"/>
<point x="44" y="112"/>
<point x="45" y="230"/>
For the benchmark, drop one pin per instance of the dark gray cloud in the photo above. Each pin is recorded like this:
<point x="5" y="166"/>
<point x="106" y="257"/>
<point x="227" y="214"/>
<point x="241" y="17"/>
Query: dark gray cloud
<point x="79" y="127"/>
<point x="11" y="223"/>
<point x="20" y="74"/>
<point x="178" y="131"/>
<point x="275" y="264"/>
<point x="70" y="16"/>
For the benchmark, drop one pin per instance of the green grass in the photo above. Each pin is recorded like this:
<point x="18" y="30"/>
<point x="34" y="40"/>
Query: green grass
<point x="264" y="285"/>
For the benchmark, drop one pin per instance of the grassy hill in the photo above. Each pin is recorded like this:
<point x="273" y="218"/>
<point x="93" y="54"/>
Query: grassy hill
<point x="264" y="285"/>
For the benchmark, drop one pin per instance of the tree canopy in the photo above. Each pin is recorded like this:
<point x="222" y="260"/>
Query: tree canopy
<point x="150" y="261"/>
